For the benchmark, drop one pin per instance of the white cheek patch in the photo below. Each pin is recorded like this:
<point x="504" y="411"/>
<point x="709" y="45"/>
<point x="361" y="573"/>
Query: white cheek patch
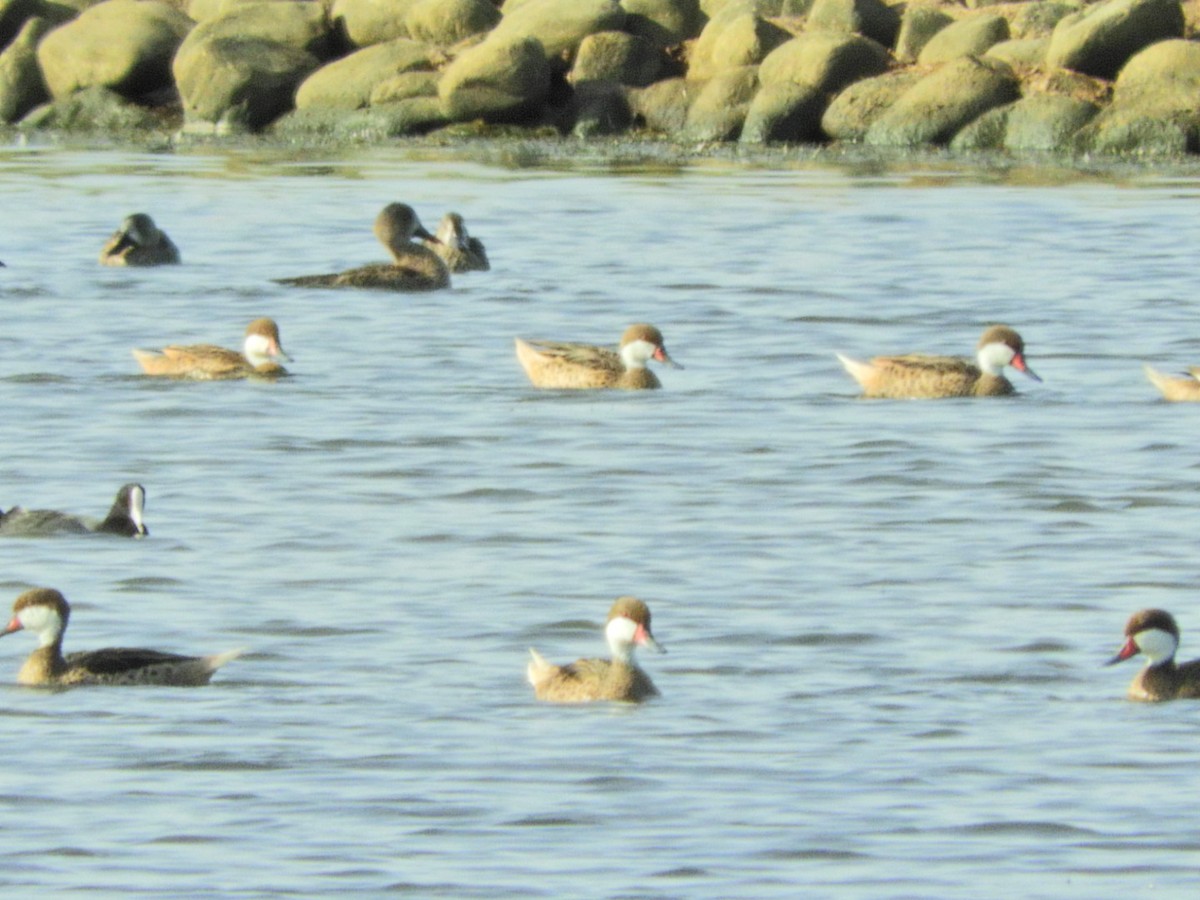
<point x="42" y="621"/>
<point x="1158" y="646"/>
<point x="635" y="353"/>
<point x="994" y="357"/>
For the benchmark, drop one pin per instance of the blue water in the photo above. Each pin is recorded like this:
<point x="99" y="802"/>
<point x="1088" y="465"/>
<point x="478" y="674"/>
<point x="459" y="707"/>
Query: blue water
<point x="885" y="620"/>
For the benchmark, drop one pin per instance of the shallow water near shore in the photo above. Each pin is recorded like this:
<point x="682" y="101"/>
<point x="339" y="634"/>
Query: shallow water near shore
<point x="885" y="620"/>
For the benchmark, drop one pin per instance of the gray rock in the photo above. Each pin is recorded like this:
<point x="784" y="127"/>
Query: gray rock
<point x="972" y="36"/>
<point x="237" y="84"/>
<point x="663" y="23"/>
<point x="446" y="22"/>
<point x="1025" y="52"/>
<point x="733" y="38"/>
<point x="784" y="112"/>
<point x="1037" y="123"/>
<point x="663" y="106"/>
<point x="496" y="80"/>
<point x="296" y="23"/>
<point x="21" y="84"/>
<point x="362" y="23"/>
<point x="1099" y="40"/>
<point x="617" y="57"/>
<point x="348" y="83"/>
<point x="720" y="108"/>
<point x="918" y="24"/>
<point x="825" y="60"/>
<point x="94" y="110"/>
<point x="852" y="111"/>
<point x="125" y="45"/>
<point x="870" y="18"/>
<point x="559" y="25"/>
<point x="943" y="102"/>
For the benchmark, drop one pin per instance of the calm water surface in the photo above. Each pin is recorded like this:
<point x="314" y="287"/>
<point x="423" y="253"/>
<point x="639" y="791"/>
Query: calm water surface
<point x="885" y="620"/>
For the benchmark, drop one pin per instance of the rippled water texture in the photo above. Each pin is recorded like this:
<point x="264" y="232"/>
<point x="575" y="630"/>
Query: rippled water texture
<point x="885" y="619"/>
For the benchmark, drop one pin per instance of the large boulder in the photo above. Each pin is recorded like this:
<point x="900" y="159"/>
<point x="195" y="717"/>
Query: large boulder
<point x="446" y="22"/>
<point x="789" y="113"/>
<point x="498" y="80"/>
<point x="665" y="23"/>
<point x="1037" y="123"/>
<point x="1099" y="40"/>
<point x="825" y="60"/>
<point x="1154" y="109"/>
<point x="720" y="108"/>
<point x="943" y="102"/>
<point x="972" y="36"/>
<point x="21" y="84"/>
<point x="238" y="84"/>
<point x="416" y="115"/>
<point x="870" y="18"/>
<point x="663" y="106"/>
<point x="851" y="113"/>
<point x="297" y="23"/>
<point x="918" y="25"/>
<point x="617" y="57"/>
<point x="733" y="38"/>
<point x="348" y="83"/>
<point x="95" y="110"/>
<point x="362" y="23"/>
<point x="125" y="45"/>
<point x="559" y="25"/>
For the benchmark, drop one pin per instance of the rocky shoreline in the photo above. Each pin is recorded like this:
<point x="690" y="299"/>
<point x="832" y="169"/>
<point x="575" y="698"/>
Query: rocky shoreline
<point x="1109" y="78"/>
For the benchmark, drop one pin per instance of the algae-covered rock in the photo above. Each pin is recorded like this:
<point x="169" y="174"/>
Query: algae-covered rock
<point x="238" y="83"/>
<point x="21" y="84"/>
<point x="495" y="80"/>
<point x="784" y="112"/>
<point x="720" y="108"/>
<point x="416" y="115"/>
<point x="1164" y="76"/>
<point x="559" y="25"/>
<point x="405" y="86"/>
<point x="94" y="110"/>
<point x="297" y="23"/>
<point x="124" y="45"/>
<point x="663" y="106"/>
<point x="348" y="83"/>
<point x="734" y="38"/>
<point x="870" y="18"/>
<point x="853" y="110"/>
<point x="1025" y="52"/>
<point x="1099" y="40"/>
<point x="918" y="24"/>
<point x="1130" y="130"/>
<point x="617" y="57"/>
<point x="825" y="60"/>
<point x="446" y="22"/>
<point x="971" y="36"/>
<point x="941" y="103"/>
<point x="663" y="23"/>
<point x="1039" y="122"/>
<point x="362" y="23"/>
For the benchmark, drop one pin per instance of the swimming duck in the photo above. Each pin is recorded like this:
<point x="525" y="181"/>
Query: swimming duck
<point x="207" y="362"/>
<point x="917" y="376"/>
<point x="1154" y="633"/>
<point x="414" y="267"/>
<point x="139" y="242"/>
<point x="458" y="250"/>
<point x="550" y="364"/>
<point x="126" y="518"/>
<point x="1176" y="388"/>
<point x="600" y="679"/>
<point x="45" y="612"/>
